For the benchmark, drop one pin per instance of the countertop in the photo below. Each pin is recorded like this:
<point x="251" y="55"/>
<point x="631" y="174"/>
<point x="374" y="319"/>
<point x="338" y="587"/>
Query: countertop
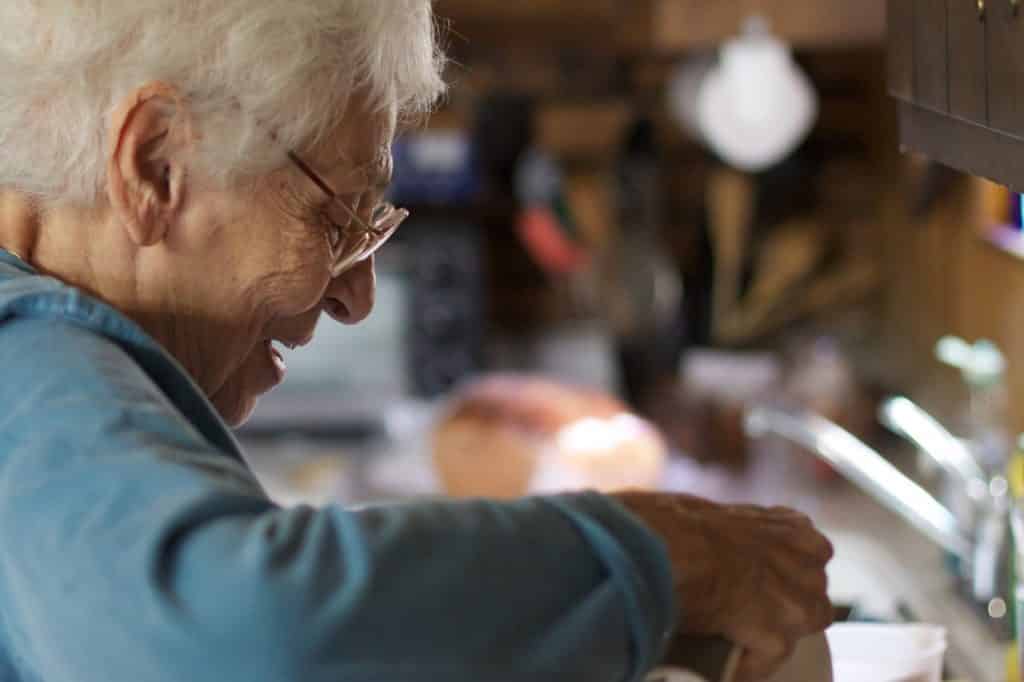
<point x="882" y="563"/>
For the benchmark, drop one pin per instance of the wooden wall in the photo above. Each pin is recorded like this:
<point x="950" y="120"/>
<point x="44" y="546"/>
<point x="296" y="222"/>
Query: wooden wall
<point x="947" y="277"/>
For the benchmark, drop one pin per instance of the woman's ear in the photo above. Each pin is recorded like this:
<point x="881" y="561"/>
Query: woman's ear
<point x="146" y="166"/>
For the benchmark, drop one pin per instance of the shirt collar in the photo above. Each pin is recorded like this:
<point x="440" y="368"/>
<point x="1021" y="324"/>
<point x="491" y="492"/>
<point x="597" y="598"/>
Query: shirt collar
<point x="8" y="258"/>
<point x="79" y="308"/>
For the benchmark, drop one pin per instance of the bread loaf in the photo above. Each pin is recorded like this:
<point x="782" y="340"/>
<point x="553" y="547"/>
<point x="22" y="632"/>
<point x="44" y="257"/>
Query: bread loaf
<point x="507" y="436"/>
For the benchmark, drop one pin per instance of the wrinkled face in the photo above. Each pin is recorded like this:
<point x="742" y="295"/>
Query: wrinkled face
<point x="259" y="261"/>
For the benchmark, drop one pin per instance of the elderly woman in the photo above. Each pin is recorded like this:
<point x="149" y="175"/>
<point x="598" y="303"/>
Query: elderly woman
<point x="186" y="183"/>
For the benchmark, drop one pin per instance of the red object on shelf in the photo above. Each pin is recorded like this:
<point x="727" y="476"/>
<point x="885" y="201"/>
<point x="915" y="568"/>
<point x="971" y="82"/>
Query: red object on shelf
<point x="547" y="243"/>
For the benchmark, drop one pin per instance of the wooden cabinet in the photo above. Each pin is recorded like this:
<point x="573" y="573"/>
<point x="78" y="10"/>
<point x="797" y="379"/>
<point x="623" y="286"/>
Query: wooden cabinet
<point x="1005" y="35"/>
<point x="966" y="68"/>
<point x="957" y="68"/>
<point x="901" y="52"/>
<point x="931" y="73"/>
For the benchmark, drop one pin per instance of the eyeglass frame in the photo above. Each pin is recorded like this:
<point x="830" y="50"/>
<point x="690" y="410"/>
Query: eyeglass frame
<point x="385" y="219"/>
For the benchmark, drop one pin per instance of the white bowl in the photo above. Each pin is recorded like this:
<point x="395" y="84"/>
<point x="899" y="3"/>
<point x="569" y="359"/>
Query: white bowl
<point x="887" y="653"/>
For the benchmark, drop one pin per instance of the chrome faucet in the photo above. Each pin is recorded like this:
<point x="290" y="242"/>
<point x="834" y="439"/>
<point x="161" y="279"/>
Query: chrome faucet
<point x="982" y="551"/>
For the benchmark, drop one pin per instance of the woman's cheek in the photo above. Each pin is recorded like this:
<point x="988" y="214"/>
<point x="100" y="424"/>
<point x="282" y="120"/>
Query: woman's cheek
<point x="305" y="285"/>
<point x="298" y="293"/>
<point x="286" y="290"/>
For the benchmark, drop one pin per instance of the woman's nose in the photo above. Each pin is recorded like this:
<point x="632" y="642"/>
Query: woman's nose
<point x="349" y="298"/>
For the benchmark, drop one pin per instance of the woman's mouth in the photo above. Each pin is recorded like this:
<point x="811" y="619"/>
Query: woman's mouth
<point x="275" y="348"/>
<point x="277" y="359"/>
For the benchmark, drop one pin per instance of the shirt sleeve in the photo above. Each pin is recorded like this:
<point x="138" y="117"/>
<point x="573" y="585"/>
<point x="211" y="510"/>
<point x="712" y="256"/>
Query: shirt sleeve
<point x="131" y="550"/>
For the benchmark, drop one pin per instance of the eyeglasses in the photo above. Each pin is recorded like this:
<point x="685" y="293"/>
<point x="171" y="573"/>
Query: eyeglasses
<point x="359" y="239"/>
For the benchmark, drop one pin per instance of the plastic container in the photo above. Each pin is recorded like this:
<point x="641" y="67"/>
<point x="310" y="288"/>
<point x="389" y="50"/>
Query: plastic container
<point x="887" y="653"/>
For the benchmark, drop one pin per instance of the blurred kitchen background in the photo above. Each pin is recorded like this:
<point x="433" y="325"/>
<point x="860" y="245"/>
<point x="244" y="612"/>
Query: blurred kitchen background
<point x="701" y="213"/>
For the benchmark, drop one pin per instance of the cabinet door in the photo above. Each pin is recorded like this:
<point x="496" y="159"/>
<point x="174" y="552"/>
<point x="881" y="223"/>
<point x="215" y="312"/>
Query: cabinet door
<point x="931" y="67"/>
<point x="968" y="82"/>
<point x="900" y="22"/>
<point x="1005" y="28"/>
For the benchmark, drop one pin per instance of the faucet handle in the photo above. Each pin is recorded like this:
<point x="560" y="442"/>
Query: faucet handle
<point x="907" y="419"/>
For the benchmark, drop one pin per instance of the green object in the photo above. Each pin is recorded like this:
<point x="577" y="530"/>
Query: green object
<point x="1015" y="477"/>
<point x="1016" y="587"/>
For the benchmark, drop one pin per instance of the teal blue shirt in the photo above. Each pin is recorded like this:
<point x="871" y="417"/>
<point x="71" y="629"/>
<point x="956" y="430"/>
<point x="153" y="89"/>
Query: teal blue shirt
<point x="136" y="545"/>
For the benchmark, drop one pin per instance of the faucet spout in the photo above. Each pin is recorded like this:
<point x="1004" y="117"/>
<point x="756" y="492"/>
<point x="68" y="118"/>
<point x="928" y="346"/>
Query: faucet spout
<point x="865" y="468"/>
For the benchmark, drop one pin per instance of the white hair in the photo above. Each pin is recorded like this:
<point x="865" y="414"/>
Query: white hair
<point x="245" y="67"/>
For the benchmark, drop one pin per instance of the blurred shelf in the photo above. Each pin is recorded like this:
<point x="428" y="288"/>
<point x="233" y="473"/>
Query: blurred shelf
<point x="688" y="24"/>
<point x="553" y="23"/>
<point x="661" y="26"/>
<point x="529" y="11"/>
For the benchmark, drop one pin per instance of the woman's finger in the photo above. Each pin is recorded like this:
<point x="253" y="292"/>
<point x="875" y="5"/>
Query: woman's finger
<point x="758" y="664"/>
<point x="798" y="528"/>
<point x="806" y="575"/>
<point x="814" y="545"/>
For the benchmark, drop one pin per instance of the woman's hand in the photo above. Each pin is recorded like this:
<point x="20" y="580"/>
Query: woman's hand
<point x="752" y="575"/>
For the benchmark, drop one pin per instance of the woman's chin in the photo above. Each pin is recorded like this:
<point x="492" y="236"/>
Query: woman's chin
<point x="236" y="412"/>
<point x="234" y="404"/>
<point x="237" y="398"/>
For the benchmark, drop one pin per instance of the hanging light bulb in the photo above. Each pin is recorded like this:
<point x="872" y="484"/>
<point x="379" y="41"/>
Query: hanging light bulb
<point x="756" y="106"/>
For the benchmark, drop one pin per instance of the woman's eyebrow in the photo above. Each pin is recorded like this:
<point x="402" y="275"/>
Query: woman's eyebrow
<point x="372" y="176"/>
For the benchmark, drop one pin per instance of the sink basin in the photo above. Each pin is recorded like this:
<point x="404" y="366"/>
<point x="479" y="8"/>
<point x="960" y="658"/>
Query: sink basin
<point x="865" y="574"/>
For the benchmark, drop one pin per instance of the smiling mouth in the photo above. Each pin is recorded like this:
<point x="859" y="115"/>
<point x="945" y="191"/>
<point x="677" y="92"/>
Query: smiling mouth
<point x="280" y="345"/>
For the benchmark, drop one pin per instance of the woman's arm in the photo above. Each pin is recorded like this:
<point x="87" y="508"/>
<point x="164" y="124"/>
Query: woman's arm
<point x="130" y="550"/>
